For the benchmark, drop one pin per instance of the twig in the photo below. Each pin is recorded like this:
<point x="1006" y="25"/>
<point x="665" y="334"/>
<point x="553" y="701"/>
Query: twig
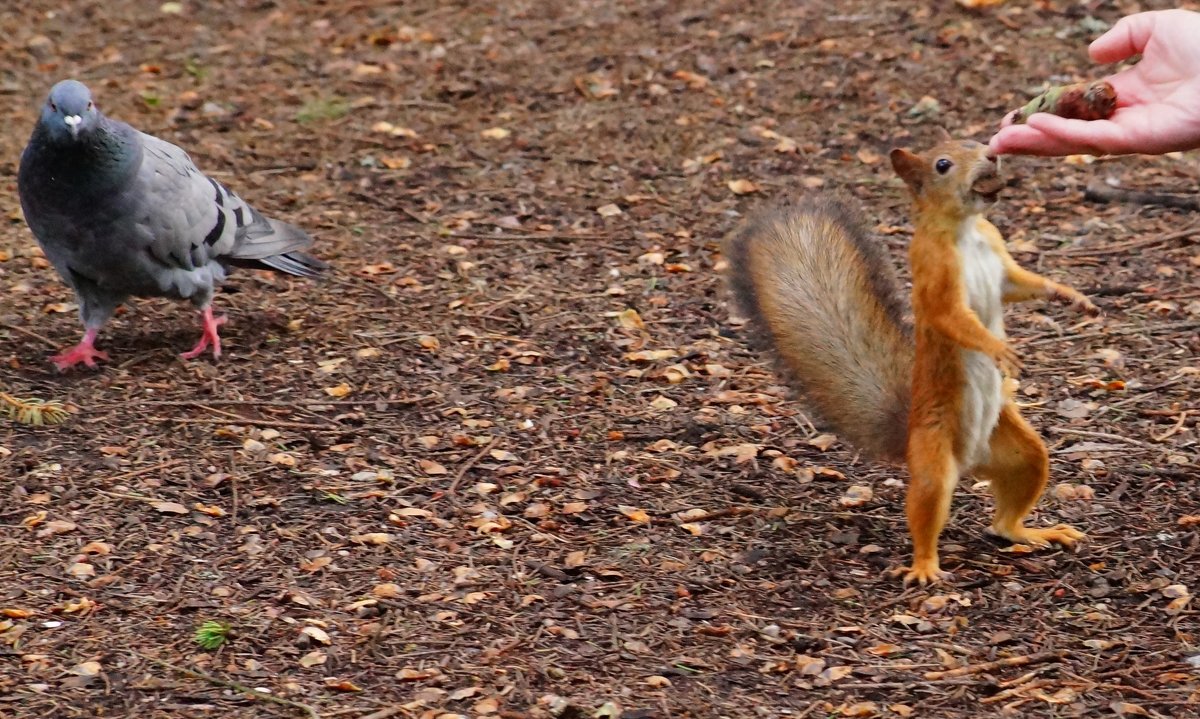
<point x="1106" y="194"/>
<point x="462" y="471"/>
<point x="1020" y="661"/>
<point x="146" y="470"/>
<point x="31" y="333"/>
<point x="244" y="420"/>
<point x="1171" y="432"/>
<point x="1017" y="690"/>
<point x="216" y="681"/>
<point x="270" y="403"/>
<point x="1147" y="328"/>
<point x="1120" y="247"/>
<point x="384" y="713"/>
<point x="1097" y="435"/>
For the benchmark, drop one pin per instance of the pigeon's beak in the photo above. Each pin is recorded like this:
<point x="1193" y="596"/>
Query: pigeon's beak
<point x="73" y="124"/>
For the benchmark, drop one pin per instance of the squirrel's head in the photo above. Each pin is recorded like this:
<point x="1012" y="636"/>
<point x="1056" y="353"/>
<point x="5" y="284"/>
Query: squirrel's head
<point x="955" y="176"/>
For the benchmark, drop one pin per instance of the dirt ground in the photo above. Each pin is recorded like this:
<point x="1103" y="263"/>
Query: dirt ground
<point x="512" y="457"/>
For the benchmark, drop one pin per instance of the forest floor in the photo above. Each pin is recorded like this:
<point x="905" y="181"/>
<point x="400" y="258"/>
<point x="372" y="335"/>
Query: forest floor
<point x="512" y="458"/>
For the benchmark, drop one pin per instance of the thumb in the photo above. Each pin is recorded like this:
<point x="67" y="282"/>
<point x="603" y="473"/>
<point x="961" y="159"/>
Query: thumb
<point x="1125" y="39"/>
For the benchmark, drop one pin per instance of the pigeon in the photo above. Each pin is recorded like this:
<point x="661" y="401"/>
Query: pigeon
<point x="120" y="213"/>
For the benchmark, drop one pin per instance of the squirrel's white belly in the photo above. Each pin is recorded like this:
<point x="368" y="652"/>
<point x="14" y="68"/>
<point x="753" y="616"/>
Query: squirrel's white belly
<point x="983" y="398"/>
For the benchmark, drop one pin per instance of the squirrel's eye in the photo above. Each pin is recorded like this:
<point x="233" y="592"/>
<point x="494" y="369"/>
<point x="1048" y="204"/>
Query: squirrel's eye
<point x="53" y="107"/>
<point x="90" y="105"/>
<point x="943" y="166"/>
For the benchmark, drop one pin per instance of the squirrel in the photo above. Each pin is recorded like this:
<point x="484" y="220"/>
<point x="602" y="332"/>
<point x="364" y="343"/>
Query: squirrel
<point x="937" y="393"/>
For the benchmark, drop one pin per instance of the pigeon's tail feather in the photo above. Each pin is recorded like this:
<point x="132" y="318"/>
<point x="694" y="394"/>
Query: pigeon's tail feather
<point x="263" y="237"/>
<point x="295" y="263"/>
<point x="267" y="244"/>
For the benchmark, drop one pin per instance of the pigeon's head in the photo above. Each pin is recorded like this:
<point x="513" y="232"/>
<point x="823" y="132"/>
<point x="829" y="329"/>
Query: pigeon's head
<point x="69" y="112"/>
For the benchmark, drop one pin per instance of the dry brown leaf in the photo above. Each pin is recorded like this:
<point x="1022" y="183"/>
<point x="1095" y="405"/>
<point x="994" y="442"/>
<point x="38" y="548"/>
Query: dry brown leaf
<point x="428" y="466"/>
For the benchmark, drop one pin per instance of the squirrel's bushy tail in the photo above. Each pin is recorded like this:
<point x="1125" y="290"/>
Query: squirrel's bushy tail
<point x="823" y="297"/>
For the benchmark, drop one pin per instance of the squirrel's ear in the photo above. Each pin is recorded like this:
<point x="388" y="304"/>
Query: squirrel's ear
<point x="909" y="167"/>
<point x="941" y="134"/>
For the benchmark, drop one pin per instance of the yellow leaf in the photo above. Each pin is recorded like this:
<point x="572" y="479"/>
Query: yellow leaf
<point x="650" y="355"/>
<point x="742" y="187"/>
<point x="634" y="514"/>
<point x="372" y="538"/>
<point x="340" y="390"/>
<point x="496" y="133"/>
<point x="630" y="319"/>
<point x="283" y="459"/>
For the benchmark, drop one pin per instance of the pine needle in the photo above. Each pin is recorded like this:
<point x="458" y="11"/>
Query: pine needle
<point x="36" y="412"/>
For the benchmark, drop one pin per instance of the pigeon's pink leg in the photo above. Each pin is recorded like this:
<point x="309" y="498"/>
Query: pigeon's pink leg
<point x="210" y="335"/>
<point x="84" y="352"/>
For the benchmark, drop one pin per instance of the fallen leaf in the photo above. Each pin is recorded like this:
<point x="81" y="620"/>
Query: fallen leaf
<point x="316" y="634"/>
<point x="86" y="669"/>
<point x="372" y="538"/>
<point x="856" y="496"/>
<point x="340" y="390"/>
<point x="742" y="187"/>
<point x="430" y="467"/>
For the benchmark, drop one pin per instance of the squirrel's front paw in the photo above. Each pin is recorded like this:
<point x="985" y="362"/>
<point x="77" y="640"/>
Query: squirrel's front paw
<point x="1006" y="359"/>
<point x="1076" y="301"/>
<point x="1085" y="306"/>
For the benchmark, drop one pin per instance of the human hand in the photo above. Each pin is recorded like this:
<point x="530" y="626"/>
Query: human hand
<point x="1158" y="99"/>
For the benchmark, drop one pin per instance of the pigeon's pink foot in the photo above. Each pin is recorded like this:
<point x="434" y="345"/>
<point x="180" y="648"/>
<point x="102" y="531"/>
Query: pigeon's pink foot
<point x="84" y="352"/>
<point x="210" y="336"/>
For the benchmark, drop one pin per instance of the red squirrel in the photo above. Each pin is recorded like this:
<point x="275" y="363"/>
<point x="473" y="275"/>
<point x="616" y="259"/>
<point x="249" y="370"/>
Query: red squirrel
<point x="824" y="298"/>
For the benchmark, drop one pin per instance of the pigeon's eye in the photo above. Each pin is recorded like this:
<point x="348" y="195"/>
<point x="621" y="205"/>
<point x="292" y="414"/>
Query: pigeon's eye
<point x="943" y="166"/>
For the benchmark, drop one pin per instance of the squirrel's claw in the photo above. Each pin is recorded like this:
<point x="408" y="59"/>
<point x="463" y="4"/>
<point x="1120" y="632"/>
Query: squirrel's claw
<point x="923" y="573"/>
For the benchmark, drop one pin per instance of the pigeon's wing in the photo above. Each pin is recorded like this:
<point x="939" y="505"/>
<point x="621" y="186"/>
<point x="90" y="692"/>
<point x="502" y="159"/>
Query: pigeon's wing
<point x="195" y="220"/>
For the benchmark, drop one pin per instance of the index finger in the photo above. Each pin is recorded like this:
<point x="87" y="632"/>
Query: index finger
<point x="1125" y="39"/>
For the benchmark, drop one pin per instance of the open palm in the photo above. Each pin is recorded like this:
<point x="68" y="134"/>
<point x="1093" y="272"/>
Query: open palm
<point x="1158" y="99"/>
